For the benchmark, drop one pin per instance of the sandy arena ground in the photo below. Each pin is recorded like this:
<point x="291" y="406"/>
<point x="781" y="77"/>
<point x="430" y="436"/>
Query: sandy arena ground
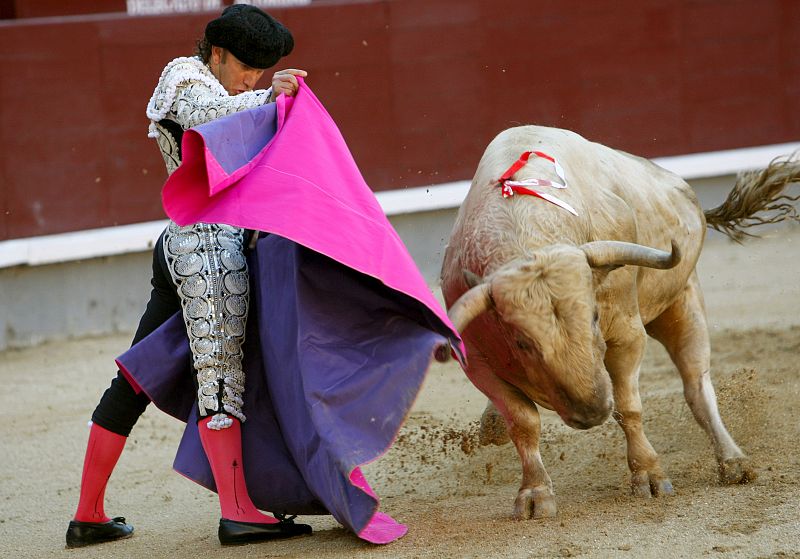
<point x="456" y="497"/>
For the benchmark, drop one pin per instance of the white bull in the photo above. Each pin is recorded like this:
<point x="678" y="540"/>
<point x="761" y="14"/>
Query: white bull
<point x="555" y="308"/>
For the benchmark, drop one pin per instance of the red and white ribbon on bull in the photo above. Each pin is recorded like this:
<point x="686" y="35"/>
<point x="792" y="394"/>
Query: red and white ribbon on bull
<point x="510" y="187"/>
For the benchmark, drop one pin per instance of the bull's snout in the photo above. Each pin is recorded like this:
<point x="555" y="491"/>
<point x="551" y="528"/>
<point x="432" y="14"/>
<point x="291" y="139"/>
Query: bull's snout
<point x="587" y="416"/>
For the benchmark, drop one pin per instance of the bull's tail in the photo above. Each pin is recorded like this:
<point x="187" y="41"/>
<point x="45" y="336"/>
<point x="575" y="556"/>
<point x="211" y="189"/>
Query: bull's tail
<point x="756" y="192"/>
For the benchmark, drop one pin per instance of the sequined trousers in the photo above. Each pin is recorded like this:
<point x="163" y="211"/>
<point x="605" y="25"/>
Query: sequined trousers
<point x="208" y="266"/>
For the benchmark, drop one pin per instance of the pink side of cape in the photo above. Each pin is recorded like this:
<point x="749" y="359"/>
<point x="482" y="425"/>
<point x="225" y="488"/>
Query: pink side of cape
<point x="381" y="528"/>
<point x="305" y="186"/>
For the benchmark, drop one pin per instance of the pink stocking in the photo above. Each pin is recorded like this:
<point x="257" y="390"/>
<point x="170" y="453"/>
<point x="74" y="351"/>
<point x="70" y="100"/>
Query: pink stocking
<point x="224" y="451"/>
<point x="102" y="453"/>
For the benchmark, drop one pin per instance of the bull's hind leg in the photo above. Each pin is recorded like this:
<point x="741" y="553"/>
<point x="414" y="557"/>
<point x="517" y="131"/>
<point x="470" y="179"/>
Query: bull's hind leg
<point x="623" y="360"/>
<point x="683" y="331"/>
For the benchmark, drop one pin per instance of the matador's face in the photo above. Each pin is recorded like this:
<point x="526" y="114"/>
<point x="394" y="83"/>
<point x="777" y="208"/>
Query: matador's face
<point x="234" y="75"/>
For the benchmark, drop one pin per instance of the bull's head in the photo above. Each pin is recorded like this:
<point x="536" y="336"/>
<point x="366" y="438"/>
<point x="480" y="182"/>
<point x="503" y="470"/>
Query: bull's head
<point x="547" y="304"/>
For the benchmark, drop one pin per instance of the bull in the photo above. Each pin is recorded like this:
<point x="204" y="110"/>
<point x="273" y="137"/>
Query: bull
<point x="555" y="301"/>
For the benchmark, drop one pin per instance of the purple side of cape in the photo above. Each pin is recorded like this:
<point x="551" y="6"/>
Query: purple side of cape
<point x="333" y="362"/>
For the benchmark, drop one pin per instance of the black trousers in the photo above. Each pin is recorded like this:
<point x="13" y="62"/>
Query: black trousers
<point x="120" y="407"/>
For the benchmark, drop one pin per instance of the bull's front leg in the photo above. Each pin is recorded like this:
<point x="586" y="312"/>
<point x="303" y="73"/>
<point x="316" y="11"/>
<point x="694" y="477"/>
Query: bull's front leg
<point x="623" y="360"/>
<point x="683" y="332"/>
<point x="493" y="427"/>
<point x="535" y="498"/>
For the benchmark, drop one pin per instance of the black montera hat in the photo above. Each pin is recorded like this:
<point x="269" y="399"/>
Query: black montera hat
<point x="251" y="35"/>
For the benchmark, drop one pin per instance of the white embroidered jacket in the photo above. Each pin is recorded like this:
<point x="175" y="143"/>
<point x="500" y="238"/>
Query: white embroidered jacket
<point x="188" y="94"/>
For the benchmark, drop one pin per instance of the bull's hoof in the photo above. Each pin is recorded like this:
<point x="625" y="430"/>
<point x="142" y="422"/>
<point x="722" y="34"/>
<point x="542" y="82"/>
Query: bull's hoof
<point x="736" y="470"/>
<point x="493" y="428"/>
<point x="646" y="484"/>
<point x="535" y="503"/>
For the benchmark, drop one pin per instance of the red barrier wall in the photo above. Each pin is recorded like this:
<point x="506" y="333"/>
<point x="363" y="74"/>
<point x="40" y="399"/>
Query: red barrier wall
<point x="418" y="88"/>
<point x="19" y="9"/>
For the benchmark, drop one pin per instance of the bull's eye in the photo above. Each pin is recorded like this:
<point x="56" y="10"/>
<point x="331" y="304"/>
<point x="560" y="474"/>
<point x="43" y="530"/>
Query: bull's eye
<point x="596" y="316"/>
<point x="525" y="344"/>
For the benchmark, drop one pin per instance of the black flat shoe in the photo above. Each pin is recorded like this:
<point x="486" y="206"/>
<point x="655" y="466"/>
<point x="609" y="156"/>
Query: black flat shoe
<point x="81" y="534"/>
<point x="236" y="533"/>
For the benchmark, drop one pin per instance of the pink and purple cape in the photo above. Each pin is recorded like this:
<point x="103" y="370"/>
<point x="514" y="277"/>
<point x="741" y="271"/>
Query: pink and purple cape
<point x="342" y="326"/>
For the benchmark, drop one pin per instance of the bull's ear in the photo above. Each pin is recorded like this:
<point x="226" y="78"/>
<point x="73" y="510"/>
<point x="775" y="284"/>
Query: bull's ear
<point x="600" y="274"/>
<point x="471" y="278"/>
<point x="606" y="269"/>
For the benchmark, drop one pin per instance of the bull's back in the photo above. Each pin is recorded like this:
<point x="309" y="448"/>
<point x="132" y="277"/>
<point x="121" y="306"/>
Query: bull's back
<point x="618" y="196"/>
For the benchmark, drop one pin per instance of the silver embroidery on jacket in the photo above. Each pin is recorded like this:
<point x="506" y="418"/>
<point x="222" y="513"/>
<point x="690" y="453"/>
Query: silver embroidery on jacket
<point x="168" y="145"/>
<point x="210" y="271"/>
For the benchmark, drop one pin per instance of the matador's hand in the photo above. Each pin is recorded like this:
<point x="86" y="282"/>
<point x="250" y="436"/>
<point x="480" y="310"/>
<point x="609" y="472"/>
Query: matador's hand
<point x="285" y="81"/>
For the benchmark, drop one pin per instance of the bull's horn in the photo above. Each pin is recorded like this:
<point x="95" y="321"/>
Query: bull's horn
<point x="616" y="253"/>
<point x="470" y="305"/>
